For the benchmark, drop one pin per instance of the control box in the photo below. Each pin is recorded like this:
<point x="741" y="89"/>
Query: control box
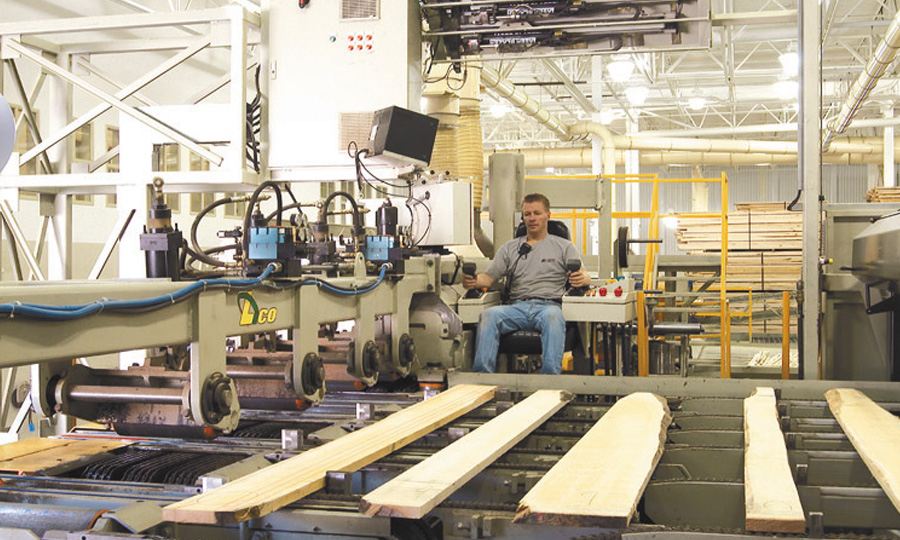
<point x="612" y="302"/>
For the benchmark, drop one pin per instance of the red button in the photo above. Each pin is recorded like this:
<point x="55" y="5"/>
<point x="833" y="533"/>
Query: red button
<point x="359" y="37"/>
<point x="618" y="291"/>
<point x="603" y="291"/>
<point x="350" y="47"/>
<point x="369" y="46"/>
<point x="349" y="38"/>
<point x="369" y="36"/>
<point x="359" y="47"/>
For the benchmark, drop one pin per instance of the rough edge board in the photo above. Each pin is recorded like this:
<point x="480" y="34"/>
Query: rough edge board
<point x="234" y="507"/>
<point x="593" y="442"/>
<point x="404" y="496"/>
<point x="888" y="435"/>
<point x="767" y="429"/>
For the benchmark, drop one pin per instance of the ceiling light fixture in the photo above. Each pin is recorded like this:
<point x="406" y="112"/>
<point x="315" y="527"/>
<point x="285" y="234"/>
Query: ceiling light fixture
<point x="499" y="110"/>
<point x="697" y="103"/>
<point x="636" y="95"/>
<point x="786" y="89"/>
<point x="790" y="63"/>
<point x="607" y="115"/>
<point x="620" y="70"/>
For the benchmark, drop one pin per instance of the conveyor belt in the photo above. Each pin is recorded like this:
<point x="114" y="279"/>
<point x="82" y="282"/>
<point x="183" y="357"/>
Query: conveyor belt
<point x="158" y="466"/>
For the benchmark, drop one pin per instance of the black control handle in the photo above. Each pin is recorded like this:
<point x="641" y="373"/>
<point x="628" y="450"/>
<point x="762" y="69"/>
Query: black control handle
<point x="469" y="269"/>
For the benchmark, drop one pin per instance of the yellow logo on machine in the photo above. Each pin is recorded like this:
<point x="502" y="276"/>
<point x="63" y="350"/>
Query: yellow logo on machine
<point x="252" y="314"/>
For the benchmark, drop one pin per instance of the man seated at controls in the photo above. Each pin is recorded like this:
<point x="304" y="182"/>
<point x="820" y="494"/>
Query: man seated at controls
<point x="536" y="275"/>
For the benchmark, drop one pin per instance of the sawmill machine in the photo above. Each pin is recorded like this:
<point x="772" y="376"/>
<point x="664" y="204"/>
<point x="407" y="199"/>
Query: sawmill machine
<point x="284" y="274"/>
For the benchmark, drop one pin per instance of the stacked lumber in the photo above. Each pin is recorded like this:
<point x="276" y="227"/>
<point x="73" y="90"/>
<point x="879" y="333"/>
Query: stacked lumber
<point x="765" y="243"/>
<point x="883" y="194"/>
<point x="750" y="229"/>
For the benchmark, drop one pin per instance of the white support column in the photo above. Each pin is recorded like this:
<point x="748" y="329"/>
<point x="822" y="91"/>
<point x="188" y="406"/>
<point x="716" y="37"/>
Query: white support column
<point x="890" y="175"/>
<point x="59" y="207"/>
<point x="633" y="166"/>
<point x="810" y="172"/>
<point x="238" y="87"/>
<point x="597" y="100"/>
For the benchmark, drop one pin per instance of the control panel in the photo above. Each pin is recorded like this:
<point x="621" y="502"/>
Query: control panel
<point x="613" y="301"/>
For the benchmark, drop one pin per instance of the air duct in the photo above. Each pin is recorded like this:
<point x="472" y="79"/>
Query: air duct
<point x="867" y="80"/>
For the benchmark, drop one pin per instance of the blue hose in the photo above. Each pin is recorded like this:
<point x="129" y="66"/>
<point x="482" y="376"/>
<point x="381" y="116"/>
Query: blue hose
<point x="70" y="312"/>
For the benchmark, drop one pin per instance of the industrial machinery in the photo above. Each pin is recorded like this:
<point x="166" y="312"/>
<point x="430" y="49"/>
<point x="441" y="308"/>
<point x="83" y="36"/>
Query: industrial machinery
<point x="458" y="29"/>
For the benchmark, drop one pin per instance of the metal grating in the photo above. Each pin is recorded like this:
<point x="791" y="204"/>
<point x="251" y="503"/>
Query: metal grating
<point x="354" y="126"/>
<point x="359" y="9"/>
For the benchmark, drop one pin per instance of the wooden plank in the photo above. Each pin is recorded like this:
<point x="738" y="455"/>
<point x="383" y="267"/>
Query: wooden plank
<point x="28" y="446"/>
<point x="418" y="490"/>
<point x="874" y="433"/>
<point x="267" y="490"/>
<point x="771" y="501"/>
<point x="59" y="452"/>
<point x="599" y="481"/>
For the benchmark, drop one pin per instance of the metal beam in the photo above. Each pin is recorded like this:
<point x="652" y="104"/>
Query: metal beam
<point x="140" y="116"/>
<point x="83" y="63"/>
<point x="114" y="238"/>
<point x="28" y="114"/>
<point x="127" y="91"/>
<point x="12" y="225"/>
<point x="123" y="22"/>
<point x="810" y="176"/>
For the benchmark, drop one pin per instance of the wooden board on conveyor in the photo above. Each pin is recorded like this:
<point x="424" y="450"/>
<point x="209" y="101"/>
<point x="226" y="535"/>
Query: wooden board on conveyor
<point x="771" y="501"/>
<point x="418" y="490"/>
<point x="269" y="489"/>
<point x="874" y="433"/>
<point x="599" y="482"/>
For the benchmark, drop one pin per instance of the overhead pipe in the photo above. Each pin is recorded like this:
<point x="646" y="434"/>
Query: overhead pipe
<point x="866" y="82"/>
<point x="491" y="79"/>
<point x="581" y="158"/>
<point x="713" y="151"/>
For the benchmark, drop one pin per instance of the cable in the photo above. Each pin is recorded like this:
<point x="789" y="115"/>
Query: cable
<point x="336" y="289"/>
<point x="289" y="207"/>
<point x="455" y="270"/>
<point x="428" y="226"/>
<point x="77" y="311"/>
<point x="199" y="253"/>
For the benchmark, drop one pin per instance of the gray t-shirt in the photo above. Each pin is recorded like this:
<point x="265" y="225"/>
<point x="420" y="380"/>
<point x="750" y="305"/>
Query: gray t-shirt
<point x="539" y="274"/>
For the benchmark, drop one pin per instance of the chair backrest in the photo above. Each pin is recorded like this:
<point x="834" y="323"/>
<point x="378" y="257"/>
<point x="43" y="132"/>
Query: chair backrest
<point x="554" y="227"/>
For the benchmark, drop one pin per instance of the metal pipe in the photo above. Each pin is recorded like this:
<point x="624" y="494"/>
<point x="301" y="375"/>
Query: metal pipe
<point x="123" y="394"/>
<point x="492" y="80"/>
<point x="256" y="372"/>
<point x="875" y="68"/>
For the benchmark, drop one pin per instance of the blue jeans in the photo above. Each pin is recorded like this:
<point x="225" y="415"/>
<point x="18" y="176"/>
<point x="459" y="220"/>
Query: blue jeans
<point x="542" y="315"/>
